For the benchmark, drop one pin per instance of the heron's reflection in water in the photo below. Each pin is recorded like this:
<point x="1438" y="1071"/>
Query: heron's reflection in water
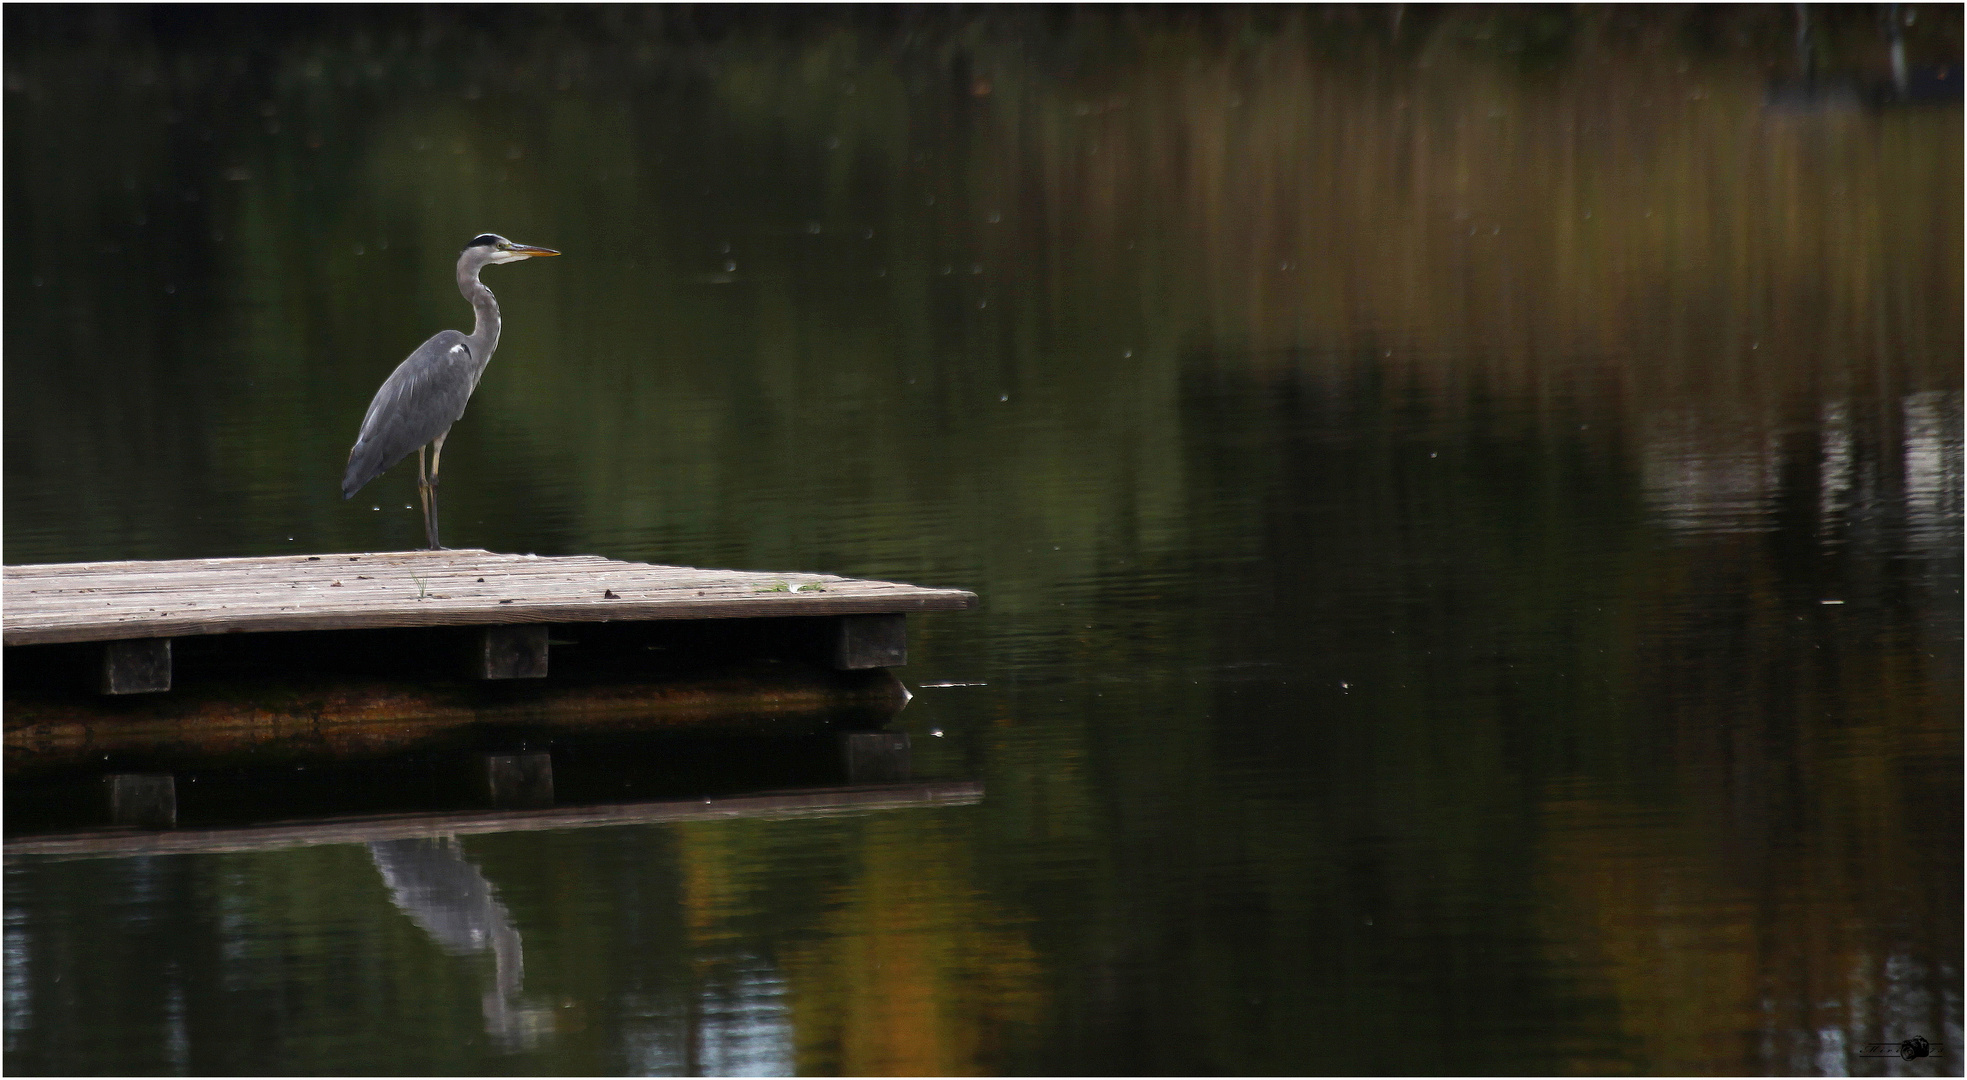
<point x="430" y="880"/>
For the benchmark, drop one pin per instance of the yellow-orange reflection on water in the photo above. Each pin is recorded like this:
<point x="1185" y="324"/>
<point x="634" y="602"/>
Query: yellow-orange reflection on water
<point x="911" y="970"/>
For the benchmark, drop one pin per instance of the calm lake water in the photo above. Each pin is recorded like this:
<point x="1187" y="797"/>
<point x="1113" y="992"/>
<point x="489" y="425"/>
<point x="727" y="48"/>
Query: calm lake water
<point x="1467" y="510"/>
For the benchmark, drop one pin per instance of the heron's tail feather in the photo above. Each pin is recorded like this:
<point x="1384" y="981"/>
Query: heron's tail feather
<point x="364" y="464"/>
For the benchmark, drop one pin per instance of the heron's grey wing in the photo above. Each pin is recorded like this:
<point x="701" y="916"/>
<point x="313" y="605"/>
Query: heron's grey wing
<point x="419" y="401"/>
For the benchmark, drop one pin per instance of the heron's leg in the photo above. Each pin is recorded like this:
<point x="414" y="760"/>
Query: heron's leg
<point x="423" y="497"/>
<point x="436" y="451"/>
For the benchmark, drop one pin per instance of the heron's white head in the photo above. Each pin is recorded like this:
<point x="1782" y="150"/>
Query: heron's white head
<point x="493" y="248"/>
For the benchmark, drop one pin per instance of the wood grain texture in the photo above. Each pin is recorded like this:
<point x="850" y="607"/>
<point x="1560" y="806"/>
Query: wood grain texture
<point x="113" y="843"/>
<point x="109" y="601"/>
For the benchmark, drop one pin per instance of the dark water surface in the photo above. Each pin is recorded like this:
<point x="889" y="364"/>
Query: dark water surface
<point x="1468" y="517"/>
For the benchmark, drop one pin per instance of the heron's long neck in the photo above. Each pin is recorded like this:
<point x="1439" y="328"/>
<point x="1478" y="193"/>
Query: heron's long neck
<point x="485" y="328"/>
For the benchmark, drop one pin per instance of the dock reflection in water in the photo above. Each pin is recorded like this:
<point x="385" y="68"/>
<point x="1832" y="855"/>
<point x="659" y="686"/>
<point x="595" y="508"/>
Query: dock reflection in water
<point x="436" y="872"/>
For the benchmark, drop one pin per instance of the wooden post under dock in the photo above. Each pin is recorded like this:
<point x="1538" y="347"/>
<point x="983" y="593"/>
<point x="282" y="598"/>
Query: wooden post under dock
<point x="137" y="608"/>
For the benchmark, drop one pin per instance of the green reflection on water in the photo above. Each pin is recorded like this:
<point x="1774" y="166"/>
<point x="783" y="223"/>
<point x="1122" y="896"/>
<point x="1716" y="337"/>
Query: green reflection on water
<point x="1403" y="466"/>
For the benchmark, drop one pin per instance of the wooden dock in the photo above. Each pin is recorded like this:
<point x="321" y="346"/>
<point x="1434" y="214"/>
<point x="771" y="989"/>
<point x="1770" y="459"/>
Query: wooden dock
<point x="109" y="601"/>
<point x="136" y="608"/>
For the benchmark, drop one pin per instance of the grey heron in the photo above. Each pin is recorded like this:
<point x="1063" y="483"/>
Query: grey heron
<point x="427" y="392"/>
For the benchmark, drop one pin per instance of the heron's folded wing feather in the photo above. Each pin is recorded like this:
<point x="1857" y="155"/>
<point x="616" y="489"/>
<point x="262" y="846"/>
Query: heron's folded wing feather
<point x="419" y="401"/>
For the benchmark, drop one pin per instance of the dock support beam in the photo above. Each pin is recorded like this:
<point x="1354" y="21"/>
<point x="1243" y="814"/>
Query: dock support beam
<point x="875" y="757"/>
<point x="869" y="641"/>
<point x="517" y="781"/>
<point x="136" y="666"/>
<point x="516" y="651"/>
<point x="142" y="800"/>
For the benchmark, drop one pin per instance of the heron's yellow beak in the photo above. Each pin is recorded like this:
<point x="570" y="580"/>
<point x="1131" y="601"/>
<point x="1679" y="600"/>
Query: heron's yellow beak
<point x="528" y="249"/>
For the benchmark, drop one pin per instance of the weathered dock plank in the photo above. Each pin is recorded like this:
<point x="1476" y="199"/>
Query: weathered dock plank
<point x="112" y="601"/>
